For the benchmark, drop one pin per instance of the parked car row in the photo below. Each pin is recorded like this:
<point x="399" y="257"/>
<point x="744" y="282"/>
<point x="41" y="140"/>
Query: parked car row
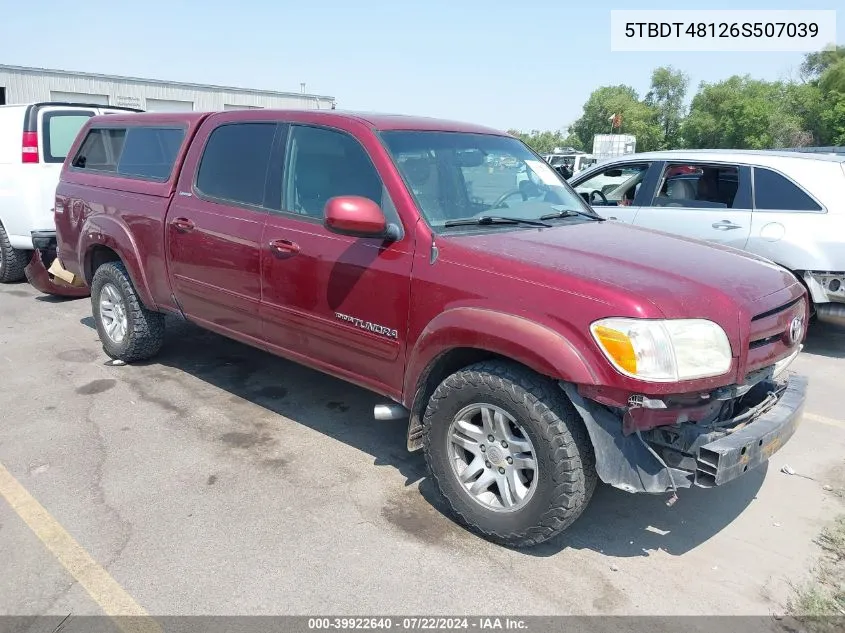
<point x="534" y="347"/>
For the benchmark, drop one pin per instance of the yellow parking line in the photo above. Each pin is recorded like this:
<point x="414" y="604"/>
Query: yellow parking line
<point x="820" y="418"/>
<point x="104" y="589"/>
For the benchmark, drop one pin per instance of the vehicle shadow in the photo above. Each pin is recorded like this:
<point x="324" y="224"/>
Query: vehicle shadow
<point x="825" y="339"/>
<point x="621" y="524"/>
<point x="616" y="523"/>
<point x="57" y="299"/>
<point x="328" y="405"/>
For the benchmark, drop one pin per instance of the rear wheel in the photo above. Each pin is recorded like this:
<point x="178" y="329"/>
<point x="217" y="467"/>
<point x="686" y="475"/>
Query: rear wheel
<point x="509" y="453"/>
<point x="128" y="330"/>
<point x="12" y="260"/>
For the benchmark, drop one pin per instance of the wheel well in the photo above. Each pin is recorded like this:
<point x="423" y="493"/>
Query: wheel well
<point x="444" y="365"/>
<point x="97" y="256"/>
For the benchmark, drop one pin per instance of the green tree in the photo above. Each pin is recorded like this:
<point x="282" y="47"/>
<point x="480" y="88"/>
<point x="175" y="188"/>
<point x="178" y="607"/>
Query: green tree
<point x="824" y="72"/>
<point x="744" y="113"/>
<point x="666" y="96"/>
<point x="545" y="142"/>
<point x="638" y="118"/>
<point x="816" y="63"/>
<point x="739" y="112"/>
<point x="832" y="87"/>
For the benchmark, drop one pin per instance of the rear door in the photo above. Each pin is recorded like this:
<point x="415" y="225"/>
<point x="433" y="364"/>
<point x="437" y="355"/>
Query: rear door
<point x="215" y="223"/>
<point x="708" y="201"/>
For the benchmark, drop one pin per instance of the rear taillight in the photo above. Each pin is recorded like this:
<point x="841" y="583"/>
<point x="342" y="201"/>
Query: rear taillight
<point x="29" y="147"/>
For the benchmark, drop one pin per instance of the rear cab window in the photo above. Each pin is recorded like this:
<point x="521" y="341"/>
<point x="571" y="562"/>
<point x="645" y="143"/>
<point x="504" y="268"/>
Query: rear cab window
<point x="145" y="152"/>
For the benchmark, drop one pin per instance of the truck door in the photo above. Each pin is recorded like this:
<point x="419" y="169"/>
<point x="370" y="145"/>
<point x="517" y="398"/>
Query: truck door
<point x="215" y="223"/>
<point x="336" y="302"/>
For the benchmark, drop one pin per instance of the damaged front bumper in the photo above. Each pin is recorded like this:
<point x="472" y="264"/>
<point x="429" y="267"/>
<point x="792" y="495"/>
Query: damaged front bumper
<point x="43" y="261"/>
<point x="665" y="458"/>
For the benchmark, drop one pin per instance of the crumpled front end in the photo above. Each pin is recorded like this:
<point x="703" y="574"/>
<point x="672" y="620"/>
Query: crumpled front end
<point x="754" y="421"/>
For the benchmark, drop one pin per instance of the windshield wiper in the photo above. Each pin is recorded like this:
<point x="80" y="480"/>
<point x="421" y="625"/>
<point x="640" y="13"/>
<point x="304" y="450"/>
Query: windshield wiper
<point x="567" y="213"/>
<point x="490" y="220"/>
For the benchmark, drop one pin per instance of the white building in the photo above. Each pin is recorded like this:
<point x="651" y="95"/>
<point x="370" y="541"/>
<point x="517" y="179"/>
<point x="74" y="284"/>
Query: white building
<point x="29" y="85"/>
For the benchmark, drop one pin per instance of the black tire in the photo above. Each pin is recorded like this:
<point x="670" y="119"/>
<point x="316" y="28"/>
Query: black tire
<point x="145" y="328"/>
<point x="566" y="462"/>
<point x="12" y="260"/>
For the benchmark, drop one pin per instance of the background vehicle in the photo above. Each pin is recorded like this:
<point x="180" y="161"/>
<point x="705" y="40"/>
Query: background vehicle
<point x="534" y="347"/>
<point x="568" y="164"/>
<point x="34" y="140"/>
<point x="785" y="206"/>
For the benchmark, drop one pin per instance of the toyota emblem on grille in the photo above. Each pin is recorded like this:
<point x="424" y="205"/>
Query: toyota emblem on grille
<point x="796" y="330"/>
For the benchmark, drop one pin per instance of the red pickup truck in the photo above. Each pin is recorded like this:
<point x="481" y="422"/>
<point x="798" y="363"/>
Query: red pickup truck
<point x="534" y="347"/>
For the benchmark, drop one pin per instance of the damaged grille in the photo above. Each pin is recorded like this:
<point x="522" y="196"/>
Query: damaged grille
<point x="770" y="336"/>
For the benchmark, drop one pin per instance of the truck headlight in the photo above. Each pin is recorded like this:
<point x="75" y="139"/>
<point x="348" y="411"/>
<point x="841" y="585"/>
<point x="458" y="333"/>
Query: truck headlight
<point x="666" y="350"/>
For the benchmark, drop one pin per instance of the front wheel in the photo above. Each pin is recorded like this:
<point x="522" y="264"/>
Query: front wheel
<point x="128" y="330"/>
<point x="509" y="453"/>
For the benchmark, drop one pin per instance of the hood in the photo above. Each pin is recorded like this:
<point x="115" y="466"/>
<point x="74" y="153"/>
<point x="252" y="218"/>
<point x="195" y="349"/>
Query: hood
<point x="682" y="277"/>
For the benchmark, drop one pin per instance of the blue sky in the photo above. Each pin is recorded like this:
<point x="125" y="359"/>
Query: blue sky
<point x="527" y="64"/>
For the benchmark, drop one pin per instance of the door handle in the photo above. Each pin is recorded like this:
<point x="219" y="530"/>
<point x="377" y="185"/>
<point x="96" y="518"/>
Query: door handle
<point x="725" y="225"/>
<point x="612" y="217"/>
<point x="183" y="225"/>
<point x="284" y="248"/>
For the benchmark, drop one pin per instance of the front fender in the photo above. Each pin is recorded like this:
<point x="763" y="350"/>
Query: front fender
<point x="104" y="230"/>
<point x="537" y="346"/>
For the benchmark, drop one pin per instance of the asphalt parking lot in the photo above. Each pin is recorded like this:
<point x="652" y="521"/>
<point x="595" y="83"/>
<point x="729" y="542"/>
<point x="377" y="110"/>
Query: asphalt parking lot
<point x="218" y="479"/>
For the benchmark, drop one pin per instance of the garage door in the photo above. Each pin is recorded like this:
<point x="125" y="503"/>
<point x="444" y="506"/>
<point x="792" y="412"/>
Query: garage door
<point x="79" y="97"/>
<point x="169" y="105"/>
<point x="228" y="106"/>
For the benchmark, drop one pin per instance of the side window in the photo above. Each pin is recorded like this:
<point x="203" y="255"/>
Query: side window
<point x="100" y="150"/>
<point x="133" y="152"/>
<point x="692" y="185"/>
<point x="615" y="186"/>
<point x="324" y="163"/>
<point x="59" y="132"/>
<point x="773" y="192"/>
<point x="150" y="152"/>
<point x="235" y="162"/>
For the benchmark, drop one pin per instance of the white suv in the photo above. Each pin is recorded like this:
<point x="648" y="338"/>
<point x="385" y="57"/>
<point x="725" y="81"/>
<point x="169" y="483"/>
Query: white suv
<point x="34" y="140"/>
<point x="788" y="207"/>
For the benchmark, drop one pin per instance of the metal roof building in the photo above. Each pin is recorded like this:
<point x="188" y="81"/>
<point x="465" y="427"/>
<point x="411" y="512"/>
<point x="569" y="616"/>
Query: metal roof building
<point x="27" y="85"/>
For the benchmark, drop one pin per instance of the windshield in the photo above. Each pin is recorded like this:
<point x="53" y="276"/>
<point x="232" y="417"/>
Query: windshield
<point x="457" y="176"/>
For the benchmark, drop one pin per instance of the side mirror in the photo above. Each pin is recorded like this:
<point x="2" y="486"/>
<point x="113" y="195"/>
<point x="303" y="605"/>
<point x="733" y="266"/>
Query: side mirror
<point x="359" y="217"/>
